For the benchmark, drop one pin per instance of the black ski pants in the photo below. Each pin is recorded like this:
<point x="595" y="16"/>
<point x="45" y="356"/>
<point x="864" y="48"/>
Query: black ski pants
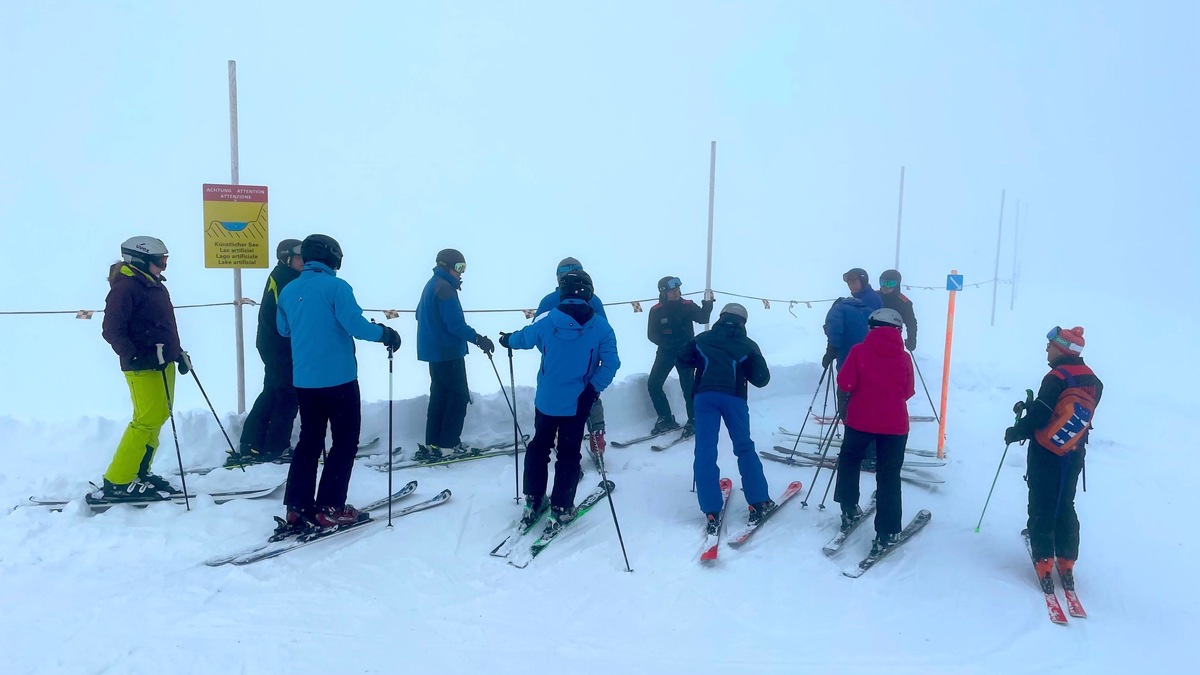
<point x="338" y="409"/>
<point x="889" y="457"/>
<point x="269" y="425"/>
<point x="448" y="399"/>
<point x="569" y="432"/>
<point x="1053" y="523"/>
<point x="664" y="361"/>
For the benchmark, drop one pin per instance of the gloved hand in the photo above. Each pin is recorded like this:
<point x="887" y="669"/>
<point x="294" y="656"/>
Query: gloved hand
<point x="485" y="344"/>
<point x="390" y="338"/>
<point x="504" y="339"/>
<point x="146" y="361"/>
<point x="830" y="355"/>
<point x="1013" y="435"/>
<point x="911" y="344"/>
<point x="185" y="363"/>
<point x="588" y="398"/>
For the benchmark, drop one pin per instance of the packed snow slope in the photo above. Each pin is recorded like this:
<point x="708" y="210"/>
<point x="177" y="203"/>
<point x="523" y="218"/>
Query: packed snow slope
<point x="127" y="591"/>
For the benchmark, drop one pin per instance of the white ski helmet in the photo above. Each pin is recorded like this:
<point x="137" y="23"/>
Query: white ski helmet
<point x="885" y="317"/>
<point x="736" y="309"/>
<point x="143" y="250"/>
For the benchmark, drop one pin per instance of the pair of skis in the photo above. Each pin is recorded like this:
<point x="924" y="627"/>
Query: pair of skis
<point x="99" y="505"/>
<point x="1053" y="607"/>
<point x="829" y="419"/>
<point x="712" y="542"/>
<point x="813" y="439"/>
<point x="520" y="556"/>
<point x="272" y="549"/>
<point x="914" y="526"/>
<point x="364" y="450"/>
<point x="500" y="449"/>
<point x="783" y="455"/>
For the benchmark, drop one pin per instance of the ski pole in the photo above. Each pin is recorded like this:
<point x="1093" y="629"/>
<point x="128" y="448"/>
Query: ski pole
<point x="513" y="410"/>
<point x="1016" y="409"/>
<point x="832" y="472"/>
<point x="512" y="384"/>
<point x="391" y="403"/>
<point x="613" y="508"/>
<point x="187" y="501"/>
<point x="192" y="370"/>
<point x="826" y="442"/>
<point x="808" y="414"/>
<point x="931" y="405"/>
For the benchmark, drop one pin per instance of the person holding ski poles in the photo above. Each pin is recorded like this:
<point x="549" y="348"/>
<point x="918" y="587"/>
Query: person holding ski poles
<point x="1057" y="424"/>
<point x="320" y="315"/>
<point x="878" y="380"/>
<point x="670" y="328"/>
<point x="889" y="292"/>
<point x="139" y="325"/>
<point x="579" y="360"/>
<point x="595" y="421"/>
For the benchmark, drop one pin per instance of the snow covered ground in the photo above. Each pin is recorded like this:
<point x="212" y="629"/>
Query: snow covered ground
<point x="127" y="591"/>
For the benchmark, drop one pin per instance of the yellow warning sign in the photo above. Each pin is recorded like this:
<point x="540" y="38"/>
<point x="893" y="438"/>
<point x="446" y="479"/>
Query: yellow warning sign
<point x="235" y="226"/>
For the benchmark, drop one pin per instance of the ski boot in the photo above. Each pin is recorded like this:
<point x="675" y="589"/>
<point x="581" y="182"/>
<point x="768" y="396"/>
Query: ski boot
<point x="689" y="429"/>
<point x="1066" y="572"/>
<point x="882" y="543"/>
<point x="560" y="517"/>
<point x="133" y="491"/>
<point x="296" y="522"/>
<point x="160" y="484"/>
<point x="1044" y="569"/>
<point x="713" y="526"/>
<point x="332" y="516"/>
<point x="761" y="510"/>
<point x="427" y="453"/>
<point x="534" y="508"/>
<point x="665" y="424"/>
<point x="850" y="516"/>
<point x="462" y="450"/>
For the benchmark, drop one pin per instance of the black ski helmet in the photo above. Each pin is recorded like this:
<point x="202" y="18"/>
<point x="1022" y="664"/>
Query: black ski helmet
<point x="565" y="265"/>
<point x="451" y="259"/>
<point x="142" y="251"/>
<point x="286" y="249"/>
<point x="575" y="285"/>
<point x="890" y="275"/>
<point x="858" y="273"/>
<point x="668" y="283"/>
<point x="885" y="317"/>
<point x="322" y="248"/>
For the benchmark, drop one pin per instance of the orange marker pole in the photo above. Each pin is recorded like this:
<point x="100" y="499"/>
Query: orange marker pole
<point x="941" y="446"/>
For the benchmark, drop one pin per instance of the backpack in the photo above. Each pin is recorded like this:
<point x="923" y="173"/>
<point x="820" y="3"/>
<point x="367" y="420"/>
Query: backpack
<point x="1070" y="419"/>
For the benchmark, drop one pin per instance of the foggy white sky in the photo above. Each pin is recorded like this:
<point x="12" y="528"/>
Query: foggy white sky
<point x="523" y="132"/>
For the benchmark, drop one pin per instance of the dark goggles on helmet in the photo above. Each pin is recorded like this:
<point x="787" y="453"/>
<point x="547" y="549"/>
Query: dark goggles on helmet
<point x="460" y="267"/>
<point x="671" y="284"/>
<point x="888" y="283"/>
<point x="566" y="269"/>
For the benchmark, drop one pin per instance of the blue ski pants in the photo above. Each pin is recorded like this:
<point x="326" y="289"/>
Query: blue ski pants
<point x="711" y="408"/>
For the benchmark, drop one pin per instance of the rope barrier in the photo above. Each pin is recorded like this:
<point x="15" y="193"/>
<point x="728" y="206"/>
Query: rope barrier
<point x="635" y="305"/>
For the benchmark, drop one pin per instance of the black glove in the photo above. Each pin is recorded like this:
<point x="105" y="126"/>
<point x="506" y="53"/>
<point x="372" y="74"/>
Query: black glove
<point x="588" y="398"/>
<point x="185" y="363"/>
<point x="504" y="339"/>
<point x="147" y="361"/>
<point x="484" y="343"/>
<point x="390" y="338"/>
<point x="911" y="344"/>
<point x="1013" y="435"/>
<point x="830" y="355"/>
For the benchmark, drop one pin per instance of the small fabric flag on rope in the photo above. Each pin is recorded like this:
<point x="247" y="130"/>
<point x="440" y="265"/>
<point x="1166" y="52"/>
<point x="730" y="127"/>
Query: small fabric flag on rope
<point x="529" y="313"/>
<point x="391" y="313"/>
<point x="766" y="303"/>
<point x="637" y="306"/>
<point x="84" y="314"/>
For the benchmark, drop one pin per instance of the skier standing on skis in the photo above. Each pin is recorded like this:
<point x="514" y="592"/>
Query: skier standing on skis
<point x="670" y="328"/>
<point x="724" y="360"/>
<point x="889" y="292"/>
<point x="320" y="315"/>
<point x="267" y="434"/>
<point x="595" y="421"/>
<point x="139" y="324"/>
<point x="579" y="359"/>
<point x="442" y="337"/>
<point x="846" y="321"/>
<point x="878" y="378"/>
<point x="1057" y="426"/>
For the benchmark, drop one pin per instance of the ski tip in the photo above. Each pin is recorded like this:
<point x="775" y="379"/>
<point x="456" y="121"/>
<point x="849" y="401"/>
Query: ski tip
<point x="795" y="485"/>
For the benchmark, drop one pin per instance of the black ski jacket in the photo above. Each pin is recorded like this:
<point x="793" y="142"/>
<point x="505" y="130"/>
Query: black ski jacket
<point x="274" y="349"/>
<point x="670" y="324"/>
<point x="725" y="359"/>
<point x="900" y="302"/>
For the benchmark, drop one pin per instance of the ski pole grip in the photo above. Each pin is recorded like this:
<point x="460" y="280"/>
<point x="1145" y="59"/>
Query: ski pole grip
<point x="159" y="350"/>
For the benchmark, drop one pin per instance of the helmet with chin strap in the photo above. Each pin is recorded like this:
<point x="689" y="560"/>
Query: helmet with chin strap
<point x="322" y="248"/>
<point x="143" y="251"/>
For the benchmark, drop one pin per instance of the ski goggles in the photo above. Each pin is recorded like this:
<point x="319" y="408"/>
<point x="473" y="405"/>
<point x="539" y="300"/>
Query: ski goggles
<point x="566" y="269"/>
<point x="460" y="267"/>
<point x="672" y="283"/>
<point x="888" y="283"/>
<point x="1055" y="336"/>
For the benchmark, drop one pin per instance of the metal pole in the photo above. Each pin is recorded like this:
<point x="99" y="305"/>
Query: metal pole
<point x="899" y="219"/>
<point x="712" y="188"/>
<point x="237" y="272"/>
<point x="1016" y="238"/>
<point x="996" y="274"/>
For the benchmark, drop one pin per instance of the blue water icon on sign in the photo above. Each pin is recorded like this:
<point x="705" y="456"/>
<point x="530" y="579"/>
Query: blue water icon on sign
<point x="233" y="227"/>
